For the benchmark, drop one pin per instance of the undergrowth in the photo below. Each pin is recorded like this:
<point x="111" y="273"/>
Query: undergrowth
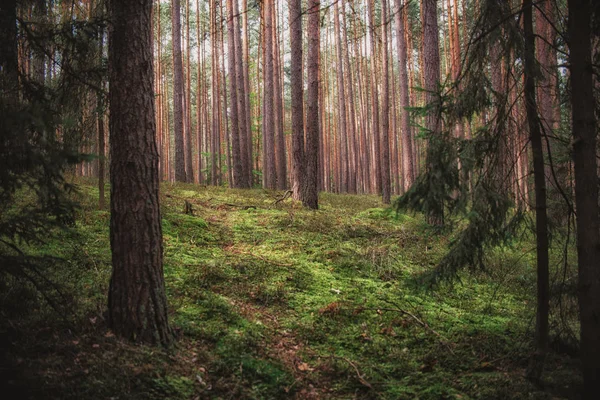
<point x="270" y="300"/>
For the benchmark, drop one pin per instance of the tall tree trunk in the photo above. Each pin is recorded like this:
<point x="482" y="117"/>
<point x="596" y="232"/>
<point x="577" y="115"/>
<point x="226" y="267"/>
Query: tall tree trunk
<point x="586" y="191"/>
<point x="269" y="173"/>
<point x="199" y="92"/>
<point x="242" y="95"/>
<point x="385" y="111"/>
<point x="431" y="77"/>
<point x="137" y="303"/>
<point x="238" y="178"/>
<point x="280" y="166"/>
<point x="408" y="165"/>
<point x="180" y="175"/>
<point x="376" y="148"/>
<point x="297" y="98"/>
<point x="311" y="194"/>
<point x="351" y="123"/>
<point x="215" y="145"/>
<point x="541" y="219"/>
<point x="245" y="66"/>
<point x="189" y="164"/>
<point x="342" y="132"/>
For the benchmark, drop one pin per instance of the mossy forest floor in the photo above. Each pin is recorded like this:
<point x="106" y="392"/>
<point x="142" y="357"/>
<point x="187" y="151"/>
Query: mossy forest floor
<point x="272" y="301"/>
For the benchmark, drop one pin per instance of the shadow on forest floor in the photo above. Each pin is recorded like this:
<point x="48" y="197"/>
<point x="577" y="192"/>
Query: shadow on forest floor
<point x="273" y="301"/>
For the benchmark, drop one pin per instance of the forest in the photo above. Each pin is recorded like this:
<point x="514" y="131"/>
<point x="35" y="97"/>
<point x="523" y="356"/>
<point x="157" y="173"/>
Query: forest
<point x="299" y="199"/>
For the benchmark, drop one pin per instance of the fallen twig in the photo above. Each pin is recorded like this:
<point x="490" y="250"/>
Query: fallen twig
<point x="418" y="321"/>
<point x="360" y="377"/>
<point x="286" y="195"/>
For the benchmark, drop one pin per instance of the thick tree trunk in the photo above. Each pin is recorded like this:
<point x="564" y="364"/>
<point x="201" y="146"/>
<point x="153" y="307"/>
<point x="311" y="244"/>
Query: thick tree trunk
<point x="297" y="98"/>
<point x="586" y="192"/>
<point x="311" y="194"/>
<point x="137" y="304"/>
<point x="541" y="219"/>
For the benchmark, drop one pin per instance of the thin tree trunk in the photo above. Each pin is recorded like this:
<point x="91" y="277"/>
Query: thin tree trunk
<point x="280" y="166"/>
<point x="342" y="132"/>
<point x="408" y="165"/>
<point x="385" y="111"/>
<point x="180" y="174"/>
<point x="541" y="220"/>
<point x="269" y="173"/>
<point x="234" y="117"/>
<point x="376" y="148"/>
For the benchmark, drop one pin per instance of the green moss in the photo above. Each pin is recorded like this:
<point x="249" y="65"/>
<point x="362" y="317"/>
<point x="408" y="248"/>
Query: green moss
<point x="256" y="289"/>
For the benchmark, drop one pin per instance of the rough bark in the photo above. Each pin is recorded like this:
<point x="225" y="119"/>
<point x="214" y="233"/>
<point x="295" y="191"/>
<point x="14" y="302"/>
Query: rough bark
<point x="586" y="192"/>
<point x="297" y="98"/>
<point x="311" y="194"/>
<point x="137" y="304"/>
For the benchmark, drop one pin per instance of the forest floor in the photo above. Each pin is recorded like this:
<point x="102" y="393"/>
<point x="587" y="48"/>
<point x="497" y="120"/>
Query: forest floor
<point x="269" y="300"/>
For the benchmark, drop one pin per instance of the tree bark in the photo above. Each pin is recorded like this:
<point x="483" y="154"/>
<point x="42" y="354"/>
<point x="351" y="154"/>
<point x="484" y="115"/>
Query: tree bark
<point x="541" y="219"/>
<point x="311" y="194"/>
<point x="586" y="191"/>
<point x="269" y="173"/>
<point x="297" y="98"/>
<point x="137" y="304"/>
<point x="180" y="175"/>
<point x="376" y="148"/>
<point x="234" y="117"/>
<point x="385" y="112"/>
<point x="408" y="165"/>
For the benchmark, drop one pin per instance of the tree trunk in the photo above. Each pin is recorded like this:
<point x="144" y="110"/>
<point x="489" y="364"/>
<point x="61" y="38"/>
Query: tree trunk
<point x="238" y="178"/>
<point x="385" y="112"/>
<point x="376" y="147"/>
<point x="311" y="194"/>
<point x="408" y="166"/>
<point x="297" y="98"/>
<point x="342" y="132"/>
<point x="541" y="221"/>
<point x="137" y="304"/>
<point x="269" y="173"/>
<point x="280" y="167"/>
<point x="586" y="191"/>
<point x="180" y="175"/>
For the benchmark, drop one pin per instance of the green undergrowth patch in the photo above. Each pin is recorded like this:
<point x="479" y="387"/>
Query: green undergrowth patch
<point x="269" y="300"/>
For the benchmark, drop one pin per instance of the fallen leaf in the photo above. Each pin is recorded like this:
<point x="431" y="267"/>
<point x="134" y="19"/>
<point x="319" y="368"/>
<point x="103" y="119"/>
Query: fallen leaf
<point x="304" y="367"/>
